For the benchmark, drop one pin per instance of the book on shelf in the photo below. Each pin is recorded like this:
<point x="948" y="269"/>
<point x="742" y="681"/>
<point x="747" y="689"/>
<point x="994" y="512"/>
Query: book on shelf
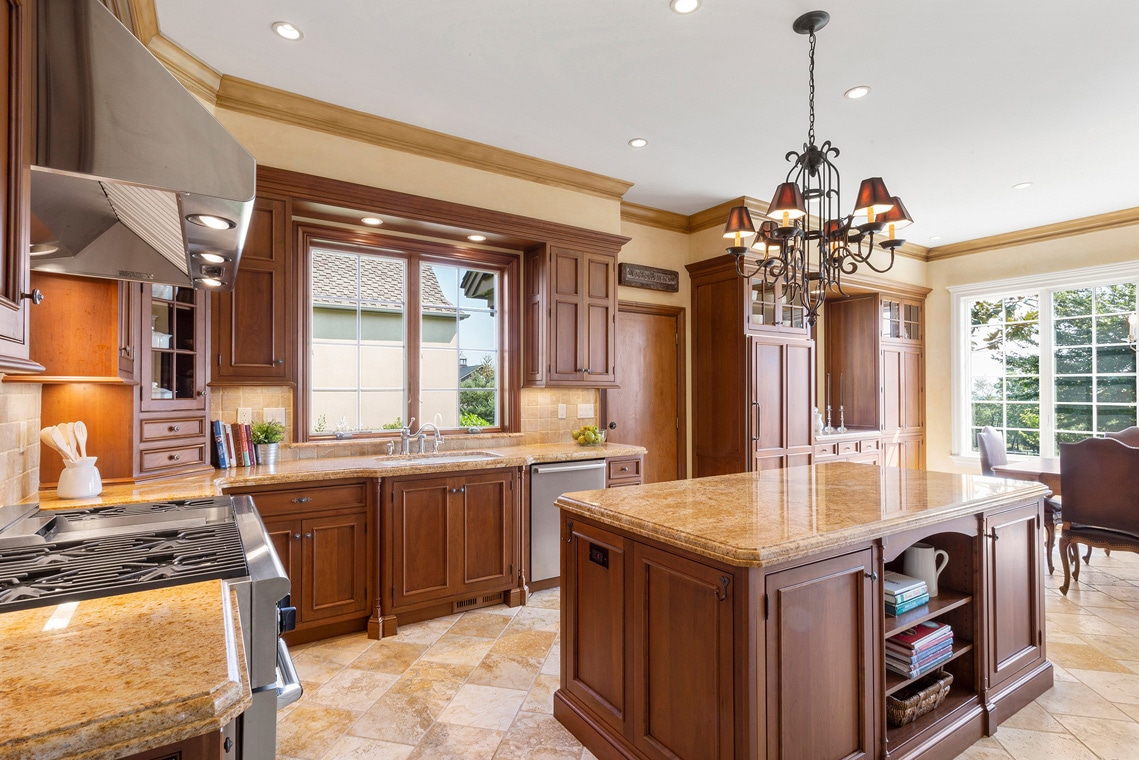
<point x="905" y="653"/>
<point x="923" y="657"/>
<point x="897" y="585"/>
<point x="921" y="635"/>
<point x="908" y="672"/>
<point x="905" y="596"/>
<point x="893" y="610"/>
<point x="230" y="451"/>
<point x="219" y="445"/>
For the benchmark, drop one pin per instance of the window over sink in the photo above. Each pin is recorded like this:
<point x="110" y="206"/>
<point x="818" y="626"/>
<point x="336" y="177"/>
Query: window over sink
<point x="402" y="330"/>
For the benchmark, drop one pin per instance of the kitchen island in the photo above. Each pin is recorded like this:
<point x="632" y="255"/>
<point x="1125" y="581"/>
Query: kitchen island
<point x="742" y="616"/>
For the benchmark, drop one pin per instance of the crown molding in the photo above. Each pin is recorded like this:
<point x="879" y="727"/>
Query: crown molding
<point x="648" y="216"/>
<point x="1082" y="226"/>
<point x="193" y="73"/>
<point x="718" y="215"/>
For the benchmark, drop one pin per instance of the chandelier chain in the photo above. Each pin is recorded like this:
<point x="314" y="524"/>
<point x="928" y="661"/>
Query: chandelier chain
<point x="811" y="93"/>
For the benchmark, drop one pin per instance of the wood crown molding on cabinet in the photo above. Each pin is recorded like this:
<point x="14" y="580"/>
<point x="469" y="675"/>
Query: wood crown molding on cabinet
<point x="1072" y="227"/>
<point x="634" y="213"/>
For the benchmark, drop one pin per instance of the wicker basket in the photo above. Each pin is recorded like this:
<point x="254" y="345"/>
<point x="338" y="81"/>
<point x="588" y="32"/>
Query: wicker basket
<point x="918" y="698"/>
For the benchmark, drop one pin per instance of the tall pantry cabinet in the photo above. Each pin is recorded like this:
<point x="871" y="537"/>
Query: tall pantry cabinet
<point x="753" y="369"/>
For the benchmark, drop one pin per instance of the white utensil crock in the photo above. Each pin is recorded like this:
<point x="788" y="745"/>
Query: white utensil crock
<point x="921" y="561"/>
<point x="79" y="479"/>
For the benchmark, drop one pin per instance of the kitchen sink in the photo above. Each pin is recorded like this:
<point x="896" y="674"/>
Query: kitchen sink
<point x="444" y="458"/>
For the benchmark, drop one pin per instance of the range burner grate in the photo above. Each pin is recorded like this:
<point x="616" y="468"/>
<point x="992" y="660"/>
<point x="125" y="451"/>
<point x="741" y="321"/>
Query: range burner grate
<point x="144" y="508"/>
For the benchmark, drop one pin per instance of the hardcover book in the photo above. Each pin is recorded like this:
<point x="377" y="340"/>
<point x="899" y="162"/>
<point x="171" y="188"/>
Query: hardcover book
<point x="893" y="610"/>
<point x="915" y="672"/>
<point x="922" y="657"/>
<point x="896" y="584"/>
<point x="921" y="635"/>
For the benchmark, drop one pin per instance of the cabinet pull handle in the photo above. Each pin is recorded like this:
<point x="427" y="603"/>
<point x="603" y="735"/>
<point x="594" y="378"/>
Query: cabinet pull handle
<point x="722" y="592"/>
<point x="302" y="500"/>
<point x="569" y="532"/>
<point x="175" y="457"/>
<point x="175" y="428"/>
<point x="36" y="296"/>
<point x="297" y="536"/>
<point x="872" y="575"/>
<point x="992" y="535"/>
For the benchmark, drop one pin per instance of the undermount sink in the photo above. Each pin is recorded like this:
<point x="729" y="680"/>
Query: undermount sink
<point x="444" y="458"/>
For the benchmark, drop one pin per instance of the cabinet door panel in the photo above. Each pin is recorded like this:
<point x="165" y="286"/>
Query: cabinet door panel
<point x="594" y="596"/>
<point x="285" y="535"/>
<point x="912" y="397"/>
<point x="334" y="566"/>
<point x="767" y="397"/>
<point x="800" y="381"/>
<point x="488" y="531"/>
<point x="892" y="389"/>
<point x="421" y="537"/>
<point x="565" y="358"/>
<point x="820" y="659"/>
<point x="682" y="657"/>
<point x="1012" y="544"/>
<point x="16" y="140"/>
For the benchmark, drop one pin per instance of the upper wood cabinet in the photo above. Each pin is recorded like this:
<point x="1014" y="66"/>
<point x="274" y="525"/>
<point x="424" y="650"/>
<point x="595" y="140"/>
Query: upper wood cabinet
<point x="16" y="138"/>
<point x="570" y="318"/>
<point x="770" y="309"/>
<point x="252" y="324"/>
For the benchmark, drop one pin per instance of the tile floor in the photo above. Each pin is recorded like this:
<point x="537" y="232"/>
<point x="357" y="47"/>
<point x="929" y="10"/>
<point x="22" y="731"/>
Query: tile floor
<point x="480" y="685"/>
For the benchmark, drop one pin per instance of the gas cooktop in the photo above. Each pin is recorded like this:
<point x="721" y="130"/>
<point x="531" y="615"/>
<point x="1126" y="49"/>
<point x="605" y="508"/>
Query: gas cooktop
<point x="71" y="555"/>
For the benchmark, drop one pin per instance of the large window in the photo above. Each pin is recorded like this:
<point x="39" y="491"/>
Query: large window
<point x="1046" y="361"/>
<point x="396" y="335"/>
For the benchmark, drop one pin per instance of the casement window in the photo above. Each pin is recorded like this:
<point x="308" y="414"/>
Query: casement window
<point x="395" y="334"/>
<point x="1044" y="360"/>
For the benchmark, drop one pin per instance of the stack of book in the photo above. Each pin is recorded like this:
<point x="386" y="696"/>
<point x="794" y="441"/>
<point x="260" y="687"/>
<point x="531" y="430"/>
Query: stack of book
<point x="920" y="649"/>
<point x="233" y="445"/>
<point x="903" y="593"/>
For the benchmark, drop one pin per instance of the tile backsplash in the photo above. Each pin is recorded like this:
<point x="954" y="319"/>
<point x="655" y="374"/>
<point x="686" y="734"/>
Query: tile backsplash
<point x="19" y="441"/>
<point x="225" y="400"/>
<point x="540" y="421"/>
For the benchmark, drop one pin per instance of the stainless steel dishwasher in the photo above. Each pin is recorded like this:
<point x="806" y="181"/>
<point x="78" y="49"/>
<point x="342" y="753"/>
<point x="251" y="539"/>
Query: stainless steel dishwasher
<point x="547" y="483"/>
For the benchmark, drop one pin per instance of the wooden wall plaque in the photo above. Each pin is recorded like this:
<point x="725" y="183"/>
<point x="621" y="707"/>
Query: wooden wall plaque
<point x="652" y="278"/>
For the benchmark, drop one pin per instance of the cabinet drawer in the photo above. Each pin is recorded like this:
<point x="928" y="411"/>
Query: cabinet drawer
<point x="847" y="447"/>
<point x="172" y="427"/>
<point x="870" y="444"/>
<point x="157" y="460"/>
<point x="825" y="450"/>
<point x="310" y="499"/>
<point x="624" y="469"/>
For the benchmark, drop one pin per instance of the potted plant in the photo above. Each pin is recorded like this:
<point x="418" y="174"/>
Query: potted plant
<point x="266" y="437"/>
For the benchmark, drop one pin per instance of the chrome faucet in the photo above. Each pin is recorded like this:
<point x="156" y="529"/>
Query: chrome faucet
<point x="421" y="436"/>
<point x="405" y="437"/>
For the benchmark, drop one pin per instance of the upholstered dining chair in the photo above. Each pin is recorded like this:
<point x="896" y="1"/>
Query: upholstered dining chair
<point x="1130" y="436"/>
<point x="1100" y="481"/>
<point x="991" y="446"/>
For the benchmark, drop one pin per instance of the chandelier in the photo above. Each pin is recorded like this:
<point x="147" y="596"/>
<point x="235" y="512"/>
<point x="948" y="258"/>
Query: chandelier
<point x="806" y="244"/>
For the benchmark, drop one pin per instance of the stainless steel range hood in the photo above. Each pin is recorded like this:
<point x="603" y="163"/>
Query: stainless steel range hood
<point x="126" y="158"/>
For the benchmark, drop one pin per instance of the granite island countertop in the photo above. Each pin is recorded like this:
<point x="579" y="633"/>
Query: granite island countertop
<point x="117" y="675"/>
<point x="332" y="468"/>
<point x="762" y="518"/>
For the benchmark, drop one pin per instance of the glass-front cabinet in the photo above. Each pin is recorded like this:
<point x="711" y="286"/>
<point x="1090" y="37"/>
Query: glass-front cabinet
<point x="174" y="325"/>
<point x="770" y="308"/>
<point x="901" y="320"/>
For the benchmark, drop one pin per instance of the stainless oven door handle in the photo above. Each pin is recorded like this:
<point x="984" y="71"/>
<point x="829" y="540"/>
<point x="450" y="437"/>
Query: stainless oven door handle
<point x="288" y="683"/>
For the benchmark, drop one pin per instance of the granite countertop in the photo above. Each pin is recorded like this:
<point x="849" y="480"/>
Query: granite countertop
<point x="757" y="519"/>
<point x="75" y="686"/>
<point x="331" y="468"/>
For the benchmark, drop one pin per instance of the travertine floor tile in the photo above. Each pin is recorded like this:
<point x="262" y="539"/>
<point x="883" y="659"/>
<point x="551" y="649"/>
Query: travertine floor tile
<point x="1067" y="698"/>
<point x="483" y="707"/>
<point x="524" y="643"/>
<point x="312" y="666"/>
<point x="1040" y="745"/>
<point x="311" y="729"/>
<point x="553" y="663"/>
<point x="1084" y="656"/>
<point x="446" y="741"/>
<point x="1108" y="739"/>
<point x="1034" y="718"/>
<point x="353" y="689"/>
<point x="541" y="696"/>
<point x="538" y="737"/>
<point x="458" y="650"/>
<point x="484" y="624"/>
<point x="401" y="718"/>
<point x="427" y="632"/>
<point x="509" y="671"/>
<point x="536" y="619"/>
<point x="357" y="748"/>
<point x="1083" y="623"/>
<point x="1114" y="687"/>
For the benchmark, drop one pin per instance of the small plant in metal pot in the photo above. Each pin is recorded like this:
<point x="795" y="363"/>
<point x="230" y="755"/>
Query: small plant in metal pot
<point x="266" y="437"/>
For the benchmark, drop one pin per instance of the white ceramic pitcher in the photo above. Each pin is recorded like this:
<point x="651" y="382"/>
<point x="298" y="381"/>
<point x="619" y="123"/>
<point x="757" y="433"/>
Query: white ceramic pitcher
<point x="921" y="561"/>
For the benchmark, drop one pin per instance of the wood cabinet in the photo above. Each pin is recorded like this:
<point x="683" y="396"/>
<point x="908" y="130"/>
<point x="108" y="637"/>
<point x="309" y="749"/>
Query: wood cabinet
<point x="451" y="542"/>
<point x="322" y="533"/>
<point x="770" y="309"/>
<point x="753" y="389"/>
<point x="16" y="140"/>
<point x="874" y="344"/>
<point x="821" y="618"/>
<point x="623" y="471"/>
<point x="570" y="317"/>
<point x="254" y="323"/>
<point x="853" y="446"/>
<point x="208" y="746"/>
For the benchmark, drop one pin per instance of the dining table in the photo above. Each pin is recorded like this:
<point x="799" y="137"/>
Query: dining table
<point x="1043" y="469"/>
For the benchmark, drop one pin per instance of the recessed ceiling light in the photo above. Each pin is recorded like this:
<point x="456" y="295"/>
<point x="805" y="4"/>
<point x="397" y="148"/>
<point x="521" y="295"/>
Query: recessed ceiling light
<point x="211" y="221"/>
<point x="638" y="142"/>
<point x="476" y="238"/>
<point x="854" y="93"/>
<point x="935" y="237"/>
<point x="210" y="282"/>
<point x="213" y="258"/>
<point x="373" y="221"/>
<point x="1022" y="186"/>
<point x="287" y="30"/>
<point x="684" y="6"/>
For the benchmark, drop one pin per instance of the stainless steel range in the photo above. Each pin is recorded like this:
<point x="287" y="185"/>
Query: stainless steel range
<point x="50" y="557"/>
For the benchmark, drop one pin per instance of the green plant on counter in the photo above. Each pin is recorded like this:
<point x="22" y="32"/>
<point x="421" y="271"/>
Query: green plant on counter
<point x="268" y="432"/>
<point x="393" y="425"/>
<point x="321" y="424"/>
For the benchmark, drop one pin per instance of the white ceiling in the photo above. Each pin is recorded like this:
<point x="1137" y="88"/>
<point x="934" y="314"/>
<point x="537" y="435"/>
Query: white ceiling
<point x="969" y="96"/>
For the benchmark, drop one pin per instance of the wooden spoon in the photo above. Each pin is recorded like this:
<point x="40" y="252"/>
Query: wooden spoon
<point x="49" y="435"/>
<point x="81" y="437"/>
<point x="60" y="438"/>
<point x="71" y="439"/>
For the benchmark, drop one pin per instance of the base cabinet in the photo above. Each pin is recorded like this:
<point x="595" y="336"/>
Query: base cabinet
<point x="321" y="534"/>
<point x="1015" y="615"/>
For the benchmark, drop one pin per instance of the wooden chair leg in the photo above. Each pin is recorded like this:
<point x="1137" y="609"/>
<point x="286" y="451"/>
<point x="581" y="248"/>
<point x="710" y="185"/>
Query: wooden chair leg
<point x="1065" y="549"/>
<point x="1088" y="556"/>
<point x="1050" y="541"/>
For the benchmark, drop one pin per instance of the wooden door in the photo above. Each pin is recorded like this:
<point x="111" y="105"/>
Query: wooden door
<point x="648" y="407"/>
<point x="567" y="340"/>
<point x="484" y="520"/>
<point x="252" y="324"/>
<point x="1015" y="611"/>
<point x="820" y="622"/>
<point x="173" y="356"/>
<point x="285" y="533"/>
<point x="594" y="594"/>
<point x="15" y="159"/>
<point x="683" y="667"/>
<point x="334" y="567"/>
<point x="421" y="527"/>
<point x="767" y="399"/>
<point x="601" y="318"/>
<point x="129" y="317"/>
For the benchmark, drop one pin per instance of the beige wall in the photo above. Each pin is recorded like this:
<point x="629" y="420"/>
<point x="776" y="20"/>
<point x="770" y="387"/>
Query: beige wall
<point x="1075" y="252"/>
<point x="19" y="441"/>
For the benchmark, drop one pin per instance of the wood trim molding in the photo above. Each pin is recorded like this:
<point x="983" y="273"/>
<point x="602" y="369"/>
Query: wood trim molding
<point x="243" y="96"/>
<point x="1082" y="226"/>
<point x="654" y="217"/>
<point x="716" y="216"/>
<point x="190" y="71"/>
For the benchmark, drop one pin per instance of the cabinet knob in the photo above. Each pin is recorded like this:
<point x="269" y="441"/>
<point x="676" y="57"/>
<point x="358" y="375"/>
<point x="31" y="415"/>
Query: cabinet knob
<point x="36" y="296"/>
<point x="624" y="469"/>
<point x="175" y="457"/>
<point x="175" y="428"/>
<point x="308" y="535"/>
<point x="297" y="536"/>
<point x="302" y="500"/>
<point x="872" y="575"/>
<point x="278" y="362"/>
<point x="201" y="393"/>
<point x="463" y="489"/>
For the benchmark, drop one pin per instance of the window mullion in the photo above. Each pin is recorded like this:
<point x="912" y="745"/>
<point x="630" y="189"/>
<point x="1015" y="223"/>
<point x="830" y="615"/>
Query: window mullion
<point x="414" y="338"/>
<point x="1047" y="377"/>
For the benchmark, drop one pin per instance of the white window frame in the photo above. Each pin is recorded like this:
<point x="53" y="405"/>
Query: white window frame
<point x="961" y="295"/>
